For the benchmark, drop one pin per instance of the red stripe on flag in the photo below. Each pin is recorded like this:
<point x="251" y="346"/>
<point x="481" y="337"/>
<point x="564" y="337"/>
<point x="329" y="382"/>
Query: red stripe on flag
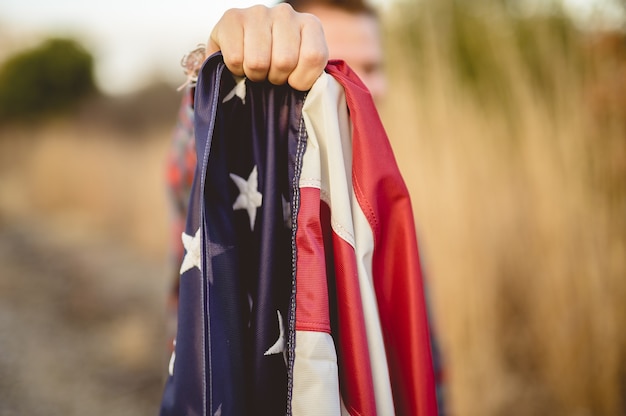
<point x="383" y="197"/>
<point x="315" y="240"/>
<point x="355" y="371"/>
<point x="311" y="287"/>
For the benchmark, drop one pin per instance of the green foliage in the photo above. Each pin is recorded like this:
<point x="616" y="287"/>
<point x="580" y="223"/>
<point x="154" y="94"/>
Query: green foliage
<point x="50" y="78"/>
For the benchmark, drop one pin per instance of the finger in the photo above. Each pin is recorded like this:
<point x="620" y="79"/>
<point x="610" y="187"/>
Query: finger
<point x="313" y="55"/>
<point x="286" y="44"/>
<point x="257" y="43"/>
<point x="228" y="36"/>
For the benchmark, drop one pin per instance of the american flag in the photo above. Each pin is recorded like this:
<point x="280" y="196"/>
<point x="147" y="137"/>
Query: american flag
<point x="300" y="289"/>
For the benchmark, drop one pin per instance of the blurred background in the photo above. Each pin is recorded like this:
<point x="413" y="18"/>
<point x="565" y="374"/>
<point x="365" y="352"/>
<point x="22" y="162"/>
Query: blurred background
<point x="508" y="118"/>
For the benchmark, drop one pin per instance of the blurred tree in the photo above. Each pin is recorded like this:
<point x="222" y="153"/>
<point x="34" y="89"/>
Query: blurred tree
<point x="50" y="78"/>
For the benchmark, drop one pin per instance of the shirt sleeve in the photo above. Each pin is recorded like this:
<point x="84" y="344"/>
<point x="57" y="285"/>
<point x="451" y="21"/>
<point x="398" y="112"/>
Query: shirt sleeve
<point x="180" y="168"/>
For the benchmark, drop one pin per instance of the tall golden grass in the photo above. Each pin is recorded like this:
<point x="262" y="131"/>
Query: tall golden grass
<point x="511" y="135"/>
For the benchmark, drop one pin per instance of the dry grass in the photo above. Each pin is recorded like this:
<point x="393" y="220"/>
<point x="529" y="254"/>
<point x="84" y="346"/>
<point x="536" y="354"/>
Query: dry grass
<point x="519" y="199"/>
<point x="86" y="178"/>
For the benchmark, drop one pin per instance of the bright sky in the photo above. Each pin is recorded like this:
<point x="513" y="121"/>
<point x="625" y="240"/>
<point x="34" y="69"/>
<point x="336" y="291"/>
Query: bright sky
<point x="132" y="40"/>
<point x="135" y="40"/>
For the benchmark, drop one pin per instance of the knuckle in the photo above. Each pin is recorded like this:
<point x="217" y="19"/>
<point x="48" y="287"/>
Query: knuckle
<point x="257" y="11"/>
<point x="299" y="83"/>
<point x="282" y="9"/>
<point x="284" y="62"/>
<point x="256" y="69"/>
<point x="308" y="19"/>
<point x="234" y="61"/>
<point x="256" y="64"/>
<point x="278" y="79"/>
<point x="315" y="57"/>
<point x="232" y="15"/>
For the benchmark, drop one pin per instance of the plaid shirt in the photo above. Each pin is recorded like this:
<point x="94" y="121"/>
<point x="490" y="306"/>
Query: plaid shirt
<point x="180" y="168"/>
<point x="181" y="162"/>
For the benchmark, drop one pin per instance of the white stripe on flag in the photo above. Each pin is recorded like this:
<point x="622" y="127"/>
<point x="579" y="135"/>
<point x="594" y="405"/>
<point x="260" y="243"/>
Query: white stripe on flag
<point x="315" y="377"/>
<point x="329" y="155"/>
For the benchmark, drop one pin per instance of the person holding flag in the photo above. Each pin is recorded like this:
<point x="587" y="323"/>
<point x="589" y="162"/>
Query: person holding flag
<point x="357" y="341"/>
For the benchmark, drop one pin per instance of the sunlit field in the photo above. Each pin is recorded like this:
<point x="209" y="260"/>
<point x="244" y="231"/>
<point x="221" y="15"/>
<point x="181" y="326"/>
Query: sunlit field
<point x="511" y="134"/>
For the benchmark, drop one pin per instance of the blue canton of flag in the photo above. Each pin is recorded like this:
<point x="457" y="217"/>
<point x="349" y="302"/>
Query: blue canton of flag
<point x="236" y="284"/>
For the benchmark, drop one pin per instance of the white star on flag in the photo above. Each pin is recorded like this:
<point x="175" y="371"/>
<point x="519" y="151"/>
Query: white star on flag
<point x="192" y="252"/>
<point x="249" y="197"/>
<point x="239" y="90"/>
<point x="280" y="344"/>
<point x="172" y="360"/>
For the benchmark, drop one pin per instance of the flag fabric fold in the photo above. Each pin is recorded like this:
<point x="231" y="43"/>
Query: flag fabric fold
<point x="300" y="288"/>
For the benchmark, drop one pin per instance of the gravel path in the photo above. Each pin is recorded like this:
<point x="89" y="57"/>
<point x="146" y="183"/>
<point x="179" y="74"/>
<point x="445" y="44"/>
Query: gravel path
<point x="81" y="325"/>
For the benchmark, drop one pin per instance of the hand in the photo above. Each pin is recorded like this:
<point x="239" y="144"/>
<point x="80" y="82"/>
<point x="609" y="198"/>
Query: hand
<point x="277" y="44"/>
